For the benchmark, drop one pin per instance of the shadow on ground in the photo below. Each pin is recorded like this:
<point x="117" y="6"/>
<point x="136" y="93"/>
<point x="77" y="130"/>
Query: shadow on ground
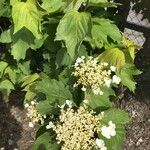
<point x="10" y="128"/>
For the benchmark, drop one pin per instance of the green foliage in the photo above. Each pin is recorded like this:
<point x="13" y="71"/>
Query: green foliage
<point x="113" y="56"/>
<point x="6" y="36"/>
<point x="58" y="90"/>
<point x="99" y="102"/>
<point x="26" y="14"/>
<point x="52" y="6"/>
<point x="73" y="29"/>
<point x="6" y="86"/>
<point x="120" y="118"/>
<point x="102" y="30"/>
<point x="45" y="142"/>
<point x="115" y="115"/>
<point x="43" y="39"/>
<point x="4" y="9"/>
<point x="126" y="74"/>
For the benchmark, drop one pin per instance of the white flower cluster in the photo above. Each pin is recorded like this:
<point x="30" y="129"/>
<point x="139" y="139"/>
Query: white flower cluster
<point x="33" y="114"/>
<point x="76" y="129"/>
<point x="109" y="131"/>
<point x="101" y="145"/>
<point x="91" y="73"/>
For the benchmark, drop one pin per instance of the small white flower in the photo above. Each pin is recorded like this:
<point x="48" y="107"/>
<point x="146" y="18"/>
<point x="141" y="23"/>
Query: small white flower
<point x="69" y="103"/>
<point x="94" y="62"/>
<point x="110" y="123"/>
<point x="112" y="127"/>
<point x="100" y="143"/>
<point x="50" y="125"/>
<point x="101" y="93"/>
<point x="98" y="91"/>
<point x="105" y="8"/>
<point x="109" y="72"/>
<point x="113" y="68"/>
<point x="76" y="64"/>
<point x="116" y="79"/>
<point x="83" y="57"/>
<point x="79" y="60"/>
<point x="107" y="82"/>
<point x="105" y="64"/>
<point x="109" y="131"/>
<point x="101" y="114"/>
<point x="85" y="101"/>
<point x="83" y="89"/>
<point x="44" y="116"/>
<point x="31" y="125"/>
<point x="75" y="85"/>
<point x="62" y="106"/>
<point x="104" y="148"/>
<point x="26" y="105"/>
<point x="106" y="132"/>
<point x="32" y="103"/>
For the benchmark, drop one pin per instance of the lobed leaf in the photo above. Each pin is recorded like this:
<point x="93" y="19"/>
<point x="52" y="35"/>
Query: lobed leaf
<point x="103" y="29"/>
<point x="52" y="6"/>
<point x="114" y="57"/>
<point x="127" y="74"/>
<point x="26" y="14"/>
<point x="73" y="28"/>
<point x="97" y="102"/>
<point x="54" y="90"/>
<point x="46" y="141"/>
<point x="6" y="86"/>
<point x="119" y="118"/>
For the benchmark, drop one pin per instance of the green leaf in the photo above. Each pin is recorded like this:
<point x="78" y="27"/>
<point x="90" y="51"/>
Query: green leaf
<point x="22" y="41"/>
<point x="6" y="36"/>
<point x="25" y="67"/>
<point x="120" y="118"/>
<point x="97" y="102"/>
<point x="3" y="66"/>
<point x="117" y="116"/>
<point x="6" y="86"/>
<point x="116" y="141"/>
<point x="12" y="74"/>
<point x="73" y="28"/>
<point x="115" y="57"/>
<point x="73" y="4"/>
<point x="44" y="107"/>
<point x="47" y="107"/>
<point x="130" y="46"/>
<point x="4" y="8"/>
<point x="127" y="74"/>
<point x="52" y="6"/>
<point x="54" y="90"/>
<point x="19" y="50"/>
<point x="13" y="2"/>
<point x="102" y="30"/>
<point x="30" y="79"/>
<point x="63" y="58"/>
<point x="101" y="3"/>
<point x="39" y="42"/>
<point x="45" y="141"/>
<point x="30" y="95"/>
<point x="26" y="14"/>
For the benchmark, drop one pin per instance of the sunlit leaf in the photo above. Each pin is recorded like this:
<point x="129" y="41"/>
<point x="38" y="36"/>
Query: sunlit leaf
<point x="127" y="74"/>
<point x="73" y="28"/>
<point x="26" y="14"/>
